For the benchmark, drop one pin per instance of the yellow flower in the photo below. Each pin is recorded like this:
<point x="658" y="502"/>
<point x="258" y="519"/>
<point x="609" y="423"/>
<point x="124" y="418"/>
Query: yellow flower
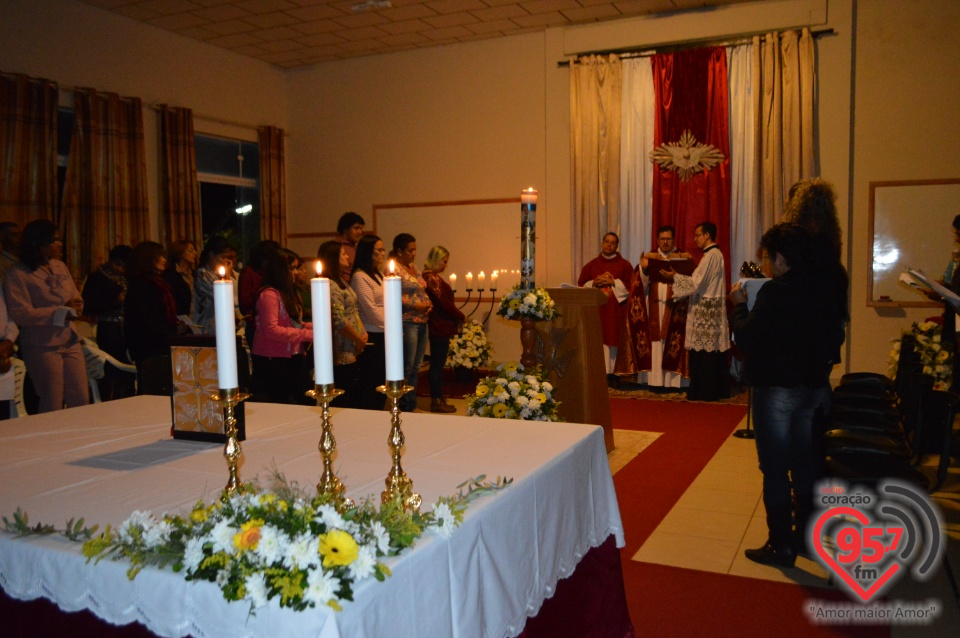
<point x="499" y="410"/>
<point x="515" y="303"/>
<point x="338" y="548"/>
<point x="249" y="536"/>
<point x="198" y="516"/>
<point x="541" y="397"/>
<point x="482" y="391"/>
<point x="511" y="365"/>
<point x="266" y="499"/>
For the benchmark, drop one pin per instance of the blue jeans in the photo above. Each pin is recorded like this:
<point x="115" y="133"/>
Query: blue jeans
<point x="414" y="347"/>
<point x="786" y="420"/>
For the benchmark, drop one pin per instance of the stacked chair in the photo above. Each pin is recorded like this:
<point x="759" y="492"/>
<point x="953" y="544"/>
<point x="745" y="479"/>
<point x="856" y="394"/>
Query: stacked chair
<point x="882" y="428"/>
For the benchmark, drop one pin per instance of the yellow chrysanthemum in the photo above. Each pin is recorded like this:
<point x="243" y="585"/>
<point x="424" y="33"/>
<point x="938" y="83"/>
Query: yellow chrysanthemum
<point x="266" y="499"/>
<point x="515" y="303"/>
<point x="338" y="548"/>
<point x="511" y="365"/>
<point x="482" y="391"/>
<point x="499" y="410"/>
<point x="541" y="397"/>
<point x="198" y="516"/>
<point x="249" y="536"/>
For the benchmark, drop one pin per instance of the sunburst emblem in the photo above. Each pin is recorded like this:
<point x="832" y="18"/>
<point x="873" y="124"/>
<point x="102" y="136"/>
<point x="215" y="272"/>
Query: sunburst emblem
<point x="688" y="157"/>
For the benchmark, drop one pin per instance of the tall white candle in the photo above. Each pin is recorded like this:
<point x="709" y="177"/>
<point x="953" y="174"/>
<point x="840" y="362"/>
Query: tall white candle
<point x="453" y="281"/>
<point x="393" y="324"/>
<point x="493" y="279"/>
<point x="226" y="332"/>
<point x="469" y="281"/>
<point x="322" y="328"/>
<point x="480" y="279"/>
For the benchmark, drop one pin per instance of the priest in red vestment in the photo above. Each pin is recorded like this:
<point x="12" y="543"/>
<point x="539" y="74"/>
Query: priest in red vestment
<point x="610" y="273"/>
<point x="652" y="347"/>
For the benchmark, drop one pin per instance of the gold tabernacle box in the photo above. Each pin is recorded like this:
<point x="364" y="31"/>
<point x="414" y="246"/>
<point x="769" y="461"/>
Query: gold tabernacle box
<point x="193" y="364"/>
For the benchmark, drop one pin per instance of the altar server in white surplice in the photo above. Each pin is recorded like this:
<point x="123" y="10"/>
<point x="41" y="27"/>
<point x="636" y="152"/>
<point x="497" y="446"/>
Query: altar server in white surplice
<point x="708" y="334"/>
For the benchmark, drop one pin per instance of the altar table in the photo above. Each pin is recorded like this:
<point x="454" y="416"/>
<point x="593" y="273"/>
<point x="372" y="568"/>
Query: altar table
<point x="106" y="460"/>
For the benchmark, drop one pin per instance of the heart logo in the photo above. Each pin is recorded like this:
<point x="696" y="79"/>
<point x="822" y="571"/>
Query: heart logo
<point x="828" y="561"/>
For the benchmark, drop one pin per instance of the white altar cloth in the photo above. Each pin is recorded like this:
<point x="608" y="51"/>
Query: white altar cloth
<point x="103" y="461"/>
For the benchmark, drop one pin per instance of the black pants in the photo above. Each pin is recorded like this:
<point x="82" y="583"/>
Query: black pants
<point x="347" y="378"/>
<point x="372" y="372"/>
<point x="439" y="346"/>
<point x="282" y="379"/>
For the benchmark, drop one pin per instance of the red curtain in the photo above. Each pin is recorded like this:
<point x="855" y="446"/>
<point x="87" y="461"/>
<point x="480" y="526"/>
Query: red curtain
<point x="690" y="89"/>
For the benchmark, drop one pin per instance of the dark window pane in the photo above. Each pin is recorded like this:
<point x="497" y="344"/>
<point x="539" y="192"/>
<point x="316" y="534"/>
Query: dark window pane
<point x="219" y="204"/>
<point x="251" y="160"/>
<point x="218" y="156"/>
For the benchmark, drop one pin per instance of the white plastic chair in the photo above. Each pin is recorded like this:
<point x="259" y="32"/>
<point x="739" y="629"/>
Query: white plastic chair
<point x="96" y="360"/>
<point x="18" y="409"/>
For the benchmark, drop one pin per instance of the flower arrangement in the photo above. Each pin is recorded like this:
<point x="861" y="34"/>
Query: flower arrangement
<point x="258" y="545"/>
<point x="514" y="393"/>
<point x="470" y="348"/>
<point x="527" y="304"/>
<point x="937" y="361"/>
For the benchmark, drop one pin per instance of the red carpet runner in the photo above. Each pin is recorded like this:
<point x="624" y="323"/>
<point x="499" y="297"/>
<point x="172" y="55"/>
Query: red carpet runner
<point x="670" y="601"/>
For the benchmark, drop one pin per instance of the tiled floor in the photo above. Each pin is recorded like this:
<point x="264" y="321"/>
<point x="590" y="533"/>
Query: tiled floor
<point x="721" y="514"/>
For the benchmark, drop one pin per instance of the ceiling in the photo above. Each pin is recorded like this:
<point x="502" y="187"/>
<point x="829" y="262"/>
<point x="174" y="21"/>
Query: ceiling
<point x="292" y="33"/>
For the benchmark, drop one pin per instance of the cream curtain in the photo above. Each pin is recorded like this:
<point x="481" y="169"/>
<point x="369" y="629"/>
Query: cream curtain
<point x="180" y="190"/>
<point x="785" y="65"/>
<point x="28" y="149"/>
<point x="636" y="169"/>
<point x="595" y="92"/>
<point x="273" y="213"/>
<point x="745" y="230"/>
<point x="105" y="195"/>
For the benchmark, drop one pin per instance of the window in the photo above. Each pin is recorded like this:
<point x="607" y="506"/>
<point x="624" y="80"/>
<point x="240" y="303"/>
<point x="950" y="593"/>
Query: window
<point x="228" y="172"/>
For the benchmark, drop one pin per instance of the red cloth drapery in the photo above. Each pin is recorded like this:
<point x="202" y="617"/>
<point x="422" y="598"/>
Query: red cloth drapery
<point x="690" y="89"/>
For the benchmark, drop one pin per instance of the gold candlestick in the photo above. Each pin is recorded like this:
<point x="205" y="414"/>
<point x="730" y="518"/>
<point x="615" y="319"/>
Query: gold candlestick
<point x="228" y="398"/>
<point x="399" y="485"/>
<point x="330" y="484"/>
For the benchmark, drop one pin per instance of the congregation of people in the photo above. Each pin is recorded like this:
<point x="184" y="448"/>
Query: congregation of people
<point x="143" y="297"/>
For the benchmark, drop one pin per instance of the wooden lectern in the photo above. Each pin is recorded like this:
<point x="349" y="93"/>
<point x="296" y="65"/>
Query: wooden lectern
<point x="570" y="349"/>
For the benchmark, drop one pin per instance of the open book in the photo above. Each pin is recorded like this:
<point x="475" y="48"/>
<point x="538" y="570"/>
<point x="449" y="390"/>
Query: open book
<point x="918" y="280"/>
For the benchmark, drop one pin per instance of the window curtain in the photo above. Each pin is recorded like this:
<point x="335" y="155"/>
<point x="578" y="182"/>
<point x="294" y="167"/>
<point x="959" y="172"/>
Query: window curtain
<point x="785" y="102"/>
<point x="636" y="169"/>
<point x="595" y="93"/>
<point x="105" y="195"/>
<point x="180" y="187"/>
<point x="745" y="222"/>
<point x="28" y="149"/>
<point x="273" y="213"/>
<point x="691" y="94"/>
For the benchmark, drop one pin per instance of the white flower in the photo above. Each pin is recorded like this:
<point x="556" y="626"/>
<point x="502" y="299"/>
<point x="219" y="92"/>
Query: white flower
<point x="193" y="554"/>
<point x="363" y="566"/>
<point x="271" y="546"/>
<point x="514" y="388"/>
<point x="223" y="577"/>
<point x="222" y="536"/>
<point x="330" y="517"/>
<point x="157" y="534"/>
<point x="302" y="552"/>
<point x="256" y="586"/>
<point x="321" y="587"/>
<point x="381" y="536"/>
<point x="546" y="387"/>
<point x="530" y="299"/>
<point x="522" y="401"/>
<point x="138" y="520"/>
<point x="444" y="519"/>
<point x="534" y="404"/>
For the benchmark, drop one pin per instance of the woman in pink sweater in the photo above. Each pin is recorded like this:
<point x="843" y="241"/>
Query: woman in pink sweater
<point x="280" y="367"/>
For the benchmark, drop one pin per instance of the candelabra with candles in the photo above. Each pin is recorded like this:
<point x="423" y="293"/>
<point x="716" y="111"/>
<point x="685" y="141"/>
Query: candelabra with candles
<point x="399" y="487"/>
<point x="324" y="391"/>
<point x="229" y="394"/>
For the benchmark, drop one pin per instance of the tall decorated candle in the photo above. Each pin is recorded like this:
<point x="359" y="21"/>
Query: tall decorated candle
<point x="322" y="328"/>
<point x="528" y="238"/>
<point x="393" y="324"/>
<point x="226" y="331"/>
